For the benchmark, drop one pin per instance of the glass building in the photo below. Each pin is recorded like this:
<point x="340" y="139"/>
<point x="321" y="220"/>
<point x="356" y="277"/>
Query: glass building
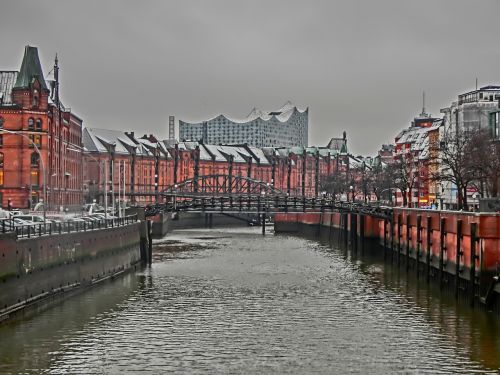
<point x="286" y="127"/>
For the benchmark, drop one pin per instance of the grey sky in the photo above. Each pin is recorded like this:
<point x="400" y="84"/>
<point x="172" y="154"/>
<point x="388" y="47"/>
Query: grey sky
<point x="360" y="66"/>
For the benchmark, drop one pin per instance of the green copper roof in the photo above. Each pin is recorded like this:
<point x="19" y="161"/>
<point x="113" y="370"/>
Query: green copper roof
<point x="30" y="69"/>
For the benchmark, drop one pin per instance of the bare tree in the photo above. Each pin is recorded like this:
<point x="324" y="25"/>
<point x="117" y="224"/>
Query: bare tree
<point x="382" y="181"/>
<point x="404" y="174"/>
<point x="335" y="183"/>
<point x="455" y="163"/>
<point x="485" y="161"/>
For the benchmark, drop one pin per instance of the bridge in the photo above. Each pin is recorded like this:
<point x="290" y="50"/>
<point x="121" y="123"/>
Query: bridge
<point x="237" y="194"/>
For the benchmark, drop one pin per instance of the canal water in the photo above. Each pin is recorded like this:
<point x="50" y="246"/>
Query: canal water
<point x="234" y="301"/>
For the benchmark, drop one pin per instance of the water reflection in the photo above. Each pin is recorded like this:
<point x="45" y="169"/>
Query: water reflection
<point x="238" y="302"/>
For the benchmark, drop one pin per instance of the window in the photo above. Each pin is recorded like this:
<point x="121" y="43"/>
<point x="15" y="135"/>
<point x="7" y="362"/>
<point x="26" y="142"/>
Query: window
<point x="38" y="125"/>
<point x="35" y="139"/>
<point x="1" y="140"/>
<point x="1" y="160"/>
<point x="1" y="177"/>
<point x="31" y="124"/>
<point x="35" y="159"/>
<point x="34" y="177"/>
<point x="2" y="121"/>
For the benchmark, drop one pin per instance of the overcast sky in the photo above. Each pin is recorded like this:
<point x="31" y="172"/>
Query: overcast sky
<point x="359" y="66"/>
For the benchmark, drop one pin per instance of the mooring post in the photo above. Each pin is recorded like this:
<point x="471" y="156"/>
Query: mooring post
<point x="263" y="224"/>
<point x="400" y="236"/>
<point x="385" y="239"/>
<point x="150" y="241"/>
<point x="417" y="247"/>
<point x="458" y="253"/>
<point x="408" y="239"/>
<point x="345" y="229"/>
<point x="362" y="230"/>
<point x="391" y="227"/>
<point x="442" y="249"/>
<point x="429" y="248"/>
<point x="473" y="257"/>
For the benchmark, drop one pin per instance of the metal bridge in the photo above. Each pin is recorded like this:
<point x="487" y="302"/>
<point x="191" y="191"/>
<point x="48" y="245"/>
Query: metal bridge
<point x="225" y="194"/>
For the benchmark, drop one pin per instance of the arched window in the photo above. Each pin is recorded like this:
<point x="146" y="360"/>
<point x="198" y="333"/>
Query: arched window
<point x="2" y="121"/>
<point x="31" y="123"/>
<point x="35" y="159"/>
<point x="38" y="125"/>
<point x="1" y="159"/>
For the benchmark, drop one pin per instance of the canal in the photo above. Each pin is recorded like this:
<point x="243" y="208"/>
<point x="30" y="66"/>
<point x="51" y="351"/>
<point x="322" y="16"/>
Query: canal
<point x="234" y="301"/>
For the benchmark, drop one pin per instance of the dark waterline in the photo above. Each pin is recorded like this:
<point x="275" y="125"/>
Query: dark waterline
<point x="234" y="301"/>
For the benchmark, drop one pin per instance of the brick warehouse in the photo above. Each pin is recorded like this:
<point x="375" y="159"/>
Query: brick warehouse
<point x="47" y="142"/>
<point x="50" y="145"/>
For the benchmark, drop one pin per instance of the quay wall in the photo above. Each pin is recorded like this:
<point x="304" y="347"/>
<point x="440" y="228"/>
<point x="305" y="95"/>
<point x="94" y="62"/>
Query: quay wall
<point x="38" y="270"/>
<point x="459" y="249"/>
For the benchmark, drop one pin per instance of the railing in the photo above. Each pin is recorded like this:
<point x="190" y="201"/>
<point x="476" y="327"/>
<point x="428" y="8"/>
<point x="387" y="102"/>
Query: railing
<point x="49" y="228"/>
<point x="261" y="203"/>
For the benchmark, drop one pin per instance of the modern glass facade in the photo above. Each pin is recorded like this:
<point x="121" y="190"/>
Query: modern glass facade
<point x="286" y="127"/>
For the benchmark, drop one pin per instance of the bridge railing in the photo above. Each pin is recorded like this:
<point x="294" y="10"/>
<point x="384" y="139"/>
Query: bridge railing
<point x="262" y="203"/>
<point x="50" y="227"/>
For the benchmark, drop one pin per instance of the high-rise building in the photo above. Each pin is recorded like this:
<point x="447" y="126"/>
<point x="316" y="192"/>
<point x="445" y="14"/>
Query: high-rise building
<point x="472" y="109"/>
<point x="286" y="127"/>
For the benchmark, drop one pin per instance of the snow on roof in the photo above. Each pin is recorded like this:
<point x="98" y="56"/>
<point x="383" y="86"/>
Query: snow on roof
<point x="7" y="81"/>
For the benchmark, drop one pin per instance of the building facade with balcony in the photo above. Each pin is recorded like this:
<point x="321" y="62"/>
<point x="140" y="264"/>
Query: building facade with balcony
<point x="39" y="144"/>
<point x="286" y="127"/>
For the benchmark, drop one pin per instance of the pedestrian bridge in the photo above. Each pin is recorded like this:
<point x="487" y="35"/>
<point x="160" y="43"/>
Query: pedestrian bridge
<point x="226" y="194"/>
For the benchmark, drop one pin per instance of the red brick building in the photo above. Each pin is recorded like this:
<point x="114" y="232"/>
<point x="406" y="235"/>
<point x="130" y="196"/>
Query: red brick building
<point x="122" y="166"/>
<point x="40" y="145"/>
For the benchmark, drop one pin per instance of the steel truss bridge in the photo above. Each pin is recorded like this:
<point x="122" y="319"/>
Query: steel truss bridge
<point x="226" y="194"/>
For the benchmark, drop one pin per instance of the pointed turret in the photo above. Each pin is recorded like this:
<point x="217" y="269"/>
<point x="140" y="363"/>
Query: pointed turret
<point x="31" y="69"/>
<point x="30" y="90"/>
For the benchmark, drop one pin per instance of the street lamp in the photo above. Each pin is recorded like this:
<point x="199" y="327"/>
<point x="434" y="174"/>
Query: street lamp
<point x="175" y="198"/>
<point x="351" y="188"/>
<point x="41" y="163"/>
<point x="98" y="162"/>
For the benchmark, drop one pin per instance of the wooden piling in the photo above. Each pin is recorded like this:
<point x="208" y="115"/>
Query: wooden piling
<point x="400" y="217"/>
<point x="473" y="257"/>
<point x="417" y="245"/>
<point x="458" y="253"/>
<point x="429" y="248"/>
<point x="442" y="249"/>
<point x="385" y="238"/>
<point x="408" y="239"/>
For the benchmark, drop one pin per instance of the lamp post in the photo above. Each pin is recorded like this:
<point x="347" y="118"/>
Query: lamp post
<point x="42" y="164"/>
<point x="81" y="149"/>
<point x="175" y="198"/>
<point x="351" y="188"/>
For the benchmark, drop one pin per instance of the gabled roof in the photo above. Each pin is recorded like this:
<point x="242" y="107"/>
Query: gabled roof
<point x="30" y="69"/>
<point x="99" y="140"/>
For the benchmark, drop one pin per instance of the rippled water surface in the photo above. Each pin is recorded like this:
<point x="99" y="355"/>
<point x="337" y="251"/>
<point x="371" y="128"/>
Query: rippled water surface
<point x="234" y="301"/>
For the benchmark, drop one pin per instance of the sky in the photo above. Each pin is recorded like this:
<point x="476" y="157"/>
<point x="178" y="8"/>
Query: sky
<point x="360" y="66"/>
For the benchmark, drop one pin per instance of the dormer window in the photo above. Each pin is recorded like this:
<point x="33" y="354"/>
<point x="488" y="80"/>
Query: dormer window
<point x="35" y="98"/>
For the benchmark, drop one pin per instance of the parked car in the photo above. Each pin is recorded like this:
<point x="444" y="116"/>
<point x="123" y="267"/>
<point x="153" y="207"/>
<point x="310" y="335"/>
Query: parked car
<point x="33" y="218"/>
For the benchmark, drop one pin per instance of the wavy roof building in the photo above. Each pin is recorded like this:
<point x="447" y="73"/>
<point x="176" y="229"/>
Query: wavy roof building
<point x="285" y="127"/>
